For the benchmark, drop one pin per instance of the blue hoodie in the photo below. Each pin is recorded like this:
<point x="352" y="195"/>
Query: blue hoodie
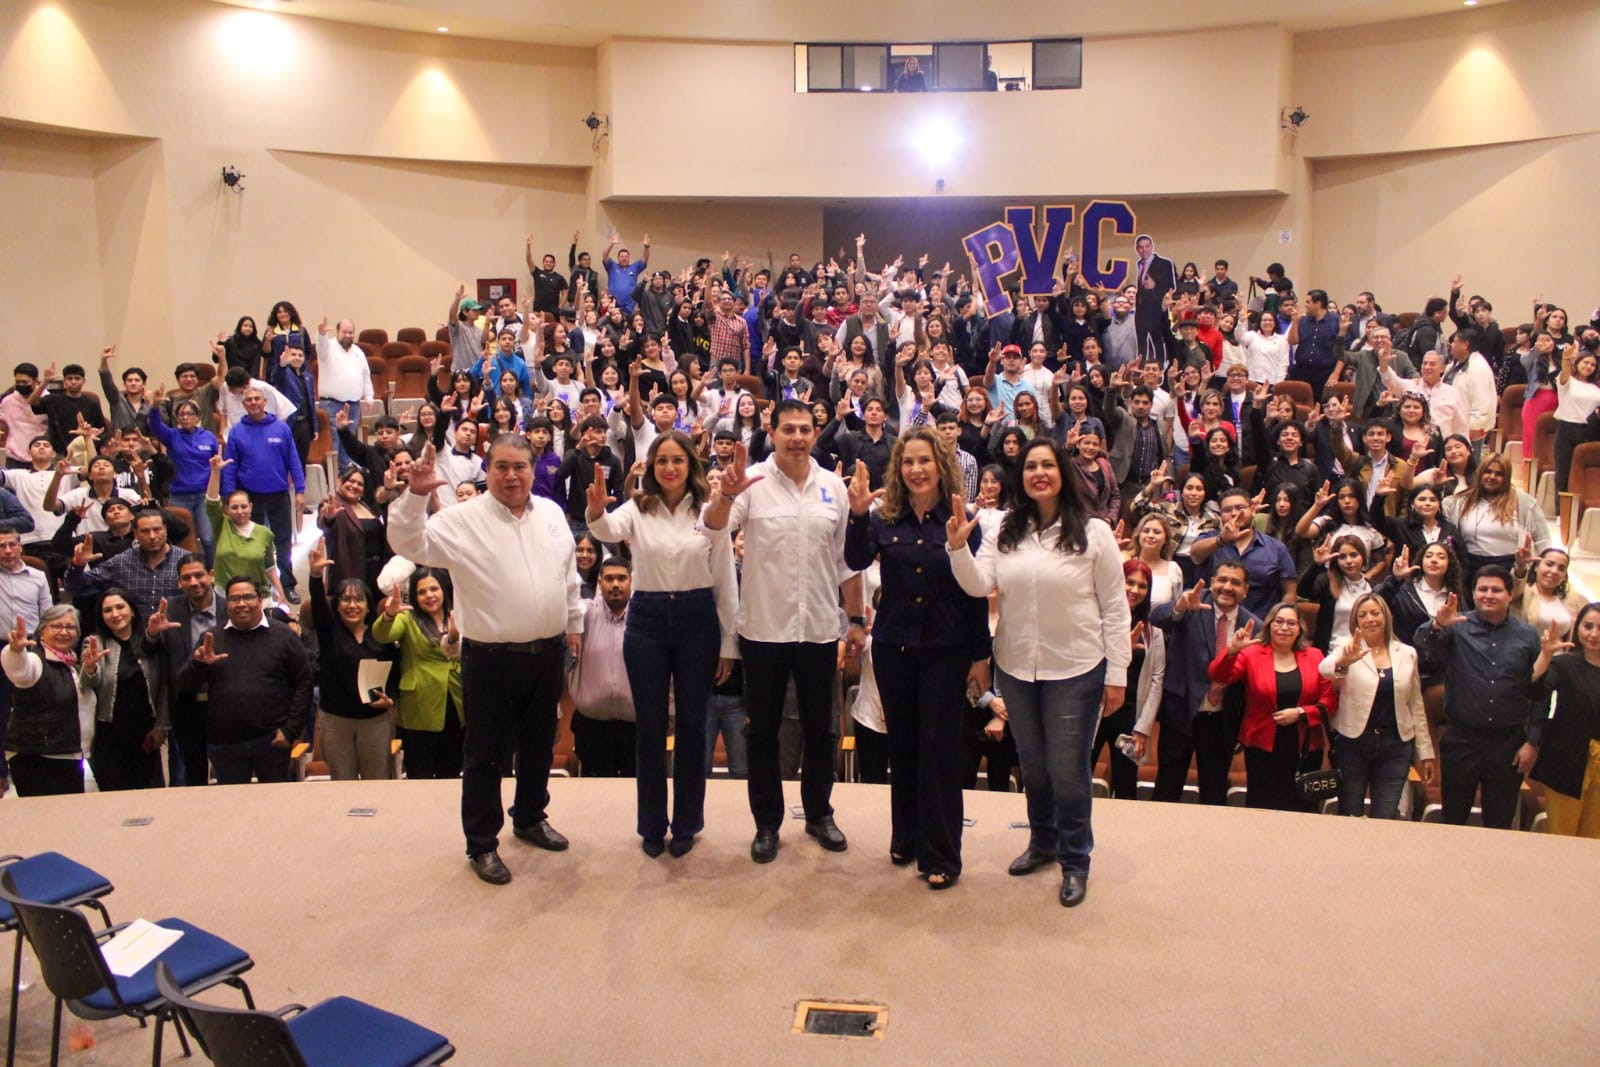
<point x="191" y="452"/>
<point x="264" y="458"/>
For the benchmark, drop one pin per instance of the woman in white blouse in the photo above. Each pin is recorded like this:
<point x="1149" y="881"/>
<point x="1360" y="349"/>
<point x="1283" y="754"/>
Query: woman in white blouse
<point x="1577" y="397"/>
<point x="1153" y="545"/>
<point x="680" y="621"/>
<point x="1495" y="519"/>
<point x="1062" y="648"/>
<point x="1266" y="351"/>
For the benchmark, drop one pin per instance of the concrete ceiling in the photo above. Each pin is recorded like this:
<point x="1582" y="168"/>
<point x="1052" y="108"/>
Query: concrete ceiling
<point x="589" y="22"/>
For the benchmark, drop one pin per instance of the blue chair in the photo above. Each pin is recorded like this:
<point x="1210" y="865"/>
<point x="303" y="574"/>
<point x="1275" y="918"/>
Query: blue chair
<point x="76" y="973"/>
<point x="340" y="1032"/>
<point x="53" y="879"/>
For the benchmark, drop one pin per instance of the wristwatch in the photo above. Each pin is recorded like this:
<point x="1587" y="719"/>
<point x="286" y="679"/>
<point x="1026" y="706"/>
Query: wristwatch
<point x="858" y="620"/>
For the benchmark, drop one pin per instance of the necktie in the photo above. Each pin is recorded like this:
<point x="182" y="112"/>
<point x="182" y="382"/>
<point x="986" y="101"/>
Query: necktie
<point x="1215" y="690"/>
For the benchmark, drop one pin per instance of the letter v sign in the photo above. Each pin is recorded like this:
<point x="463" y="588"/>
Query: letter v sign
<point x="1039" y="258"/>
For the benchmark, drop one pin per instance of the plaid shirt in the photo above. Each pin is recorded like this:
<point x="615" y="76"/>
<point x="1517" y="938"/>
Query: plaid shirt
<point x="128" y="570"/>
<point x="730" y="339"/>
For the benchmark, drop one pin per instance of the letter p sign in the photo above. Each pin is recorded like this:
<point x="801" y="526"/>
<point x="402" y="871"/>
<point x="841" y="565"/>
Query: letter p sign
<point x="994" y="255"/>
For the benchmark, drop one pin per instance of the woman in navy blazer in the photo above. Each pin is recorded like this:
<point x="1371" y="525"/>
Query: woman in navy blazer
<point x="1286" y="702"/>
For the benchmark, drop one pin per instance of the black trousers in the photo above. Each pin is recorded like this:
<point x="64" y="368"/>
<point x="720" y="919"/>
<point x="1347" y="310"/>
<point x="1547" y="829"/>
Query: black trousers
<point x="607" y="748"/>
<point x="186" y="747"/>
<point x="1209" y="743"/>
<point x="1474" y="760"/>
<point x="872" y="756"/>
<point x="1569" y="435"/>
<point x="768" y="667"/>
<point x="121" y="763"/>
<point x="431" y="754"/>
<point x="1123" y="771"/>
<point x="510" y="697"/>
<point x="924" y="696"/>
<point x="41" y="776"/>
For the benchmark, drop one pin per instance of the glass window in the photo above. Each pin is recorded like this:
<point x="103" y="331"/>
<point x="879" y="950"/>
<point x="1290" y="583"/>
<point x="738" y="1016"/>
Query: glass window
<point x="1058" y="64"/>
<point x="958" y="66"/>
<point x="824" y="67"/>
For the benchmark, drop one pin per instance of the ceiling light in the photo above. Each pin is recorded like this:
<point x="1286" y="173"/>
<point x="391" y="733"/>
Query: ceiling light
<point x="937" y="141"/>
<point x="1469" y="3"/>
<point x="444" y="29"/>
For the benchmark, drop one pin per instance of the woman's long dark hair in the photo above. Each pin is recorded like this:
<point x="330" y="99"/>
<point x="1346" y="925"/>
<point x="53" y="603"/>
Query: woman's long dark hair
<point x="1332" y="512"/>
<point x="1022" y="516"/>
<point x="1220" y="473"/>
<point x="423" y="620"/>
<point x="294" y="316"/>
<point x="696" y="486"/>
<point x="99" y="628"/>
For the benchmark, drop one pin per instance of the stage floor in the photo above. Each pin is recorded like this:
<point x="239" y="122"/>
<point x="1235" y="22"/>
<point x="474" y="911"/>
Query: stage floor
<point x="1209" y="935"/>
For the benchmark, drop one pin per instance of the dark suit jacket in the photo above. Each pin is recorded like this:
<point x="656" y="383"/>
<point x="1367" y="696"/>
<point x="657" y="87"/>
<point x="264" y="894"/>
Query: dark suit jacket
<point x="1191" y="646"/>
<point x="1164" y="277"/>
<point x="1022" y="334"/>
<point x="178" y="645"/>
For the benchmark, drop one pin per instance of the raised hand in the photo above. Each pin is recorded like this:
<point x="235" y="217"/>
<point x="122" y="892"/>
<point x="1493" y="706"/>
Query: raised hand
<point x="18" y="639"/>
<point x="596" y="494"/>
<point x="1323" y="552"/>
<point x="217" y="462"/>
<point x="1242" y="637"/>
<point x="959" y="529"/>
<point x="83" y="553"/>
<point x="1190" y="600"/>
<point x="1525" y="551"/>
<point x="860" y="491"/>
<point x="206" y="653"/>
<point x="1402" y="568"/>
<point x="424" y="474"/>
<point x="1450" y="614"/>
<point x="92" y="654"/>
<point x="735" y="480"/>
<point x="108" y="353"/>
<point x="159" y="623"/>
<point x="1353" y="650"/>
<point x="1550" y="643"/>
<point x="1138" y="639"/>
<point x="1124" y="542"/>
<point x="394" y="604"/>
<point x="317" y="559"/>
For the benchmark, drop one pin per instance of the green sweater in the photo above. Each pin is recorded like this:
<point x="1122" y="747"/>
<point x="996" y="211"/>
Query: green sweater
<point x="427" y="675"/>
<point x="250" y="556"/>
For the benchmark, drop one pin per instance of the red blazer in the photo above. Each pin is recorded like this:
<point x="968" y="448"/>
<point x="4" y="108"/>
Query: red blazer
<point x="1254" y="666"/>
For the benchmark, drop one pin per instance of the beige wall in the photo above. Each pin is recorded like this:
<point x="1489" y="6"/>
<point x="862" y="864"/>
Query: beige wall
<point x="1462" y="143"/>
<point x="1120" y="135"/>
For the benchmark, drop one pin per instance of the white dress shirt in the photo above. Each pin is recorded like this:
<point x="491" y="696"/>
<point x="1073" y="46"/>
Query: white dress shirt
<point x="1446" y="407"/>
<point x="232" y="407"/>
<point x="793" y="556"/>
<point x="1475" y="383"/>
<point x="1060" y="612"/>
<point x="30" y="487"/>
<point x="673" y="553"/>
<point x="343" y="374"/>
<point x="516" y="579"/>
<point x="1266" y="356"/>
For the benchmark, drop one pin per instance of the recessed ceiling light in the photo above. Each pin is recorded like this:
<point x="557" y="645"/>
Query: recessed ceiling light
<point x="1469" y="3"/>
<point x="446" y="29"/>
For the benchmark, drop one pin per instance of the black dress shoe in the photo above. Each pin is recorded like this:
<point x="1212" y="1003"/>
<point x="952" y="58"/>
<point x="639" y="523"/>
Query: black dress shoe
<point x="1074" y="887"/>
<point x="1031" y="861"/>
<point x="680" y="845"/>
<point x="653" y="846"/>
<point x="487" y="865"/>
<point x="764" y="849"/>
<point x="827" y="834"/>
<point x="542" y="834"/>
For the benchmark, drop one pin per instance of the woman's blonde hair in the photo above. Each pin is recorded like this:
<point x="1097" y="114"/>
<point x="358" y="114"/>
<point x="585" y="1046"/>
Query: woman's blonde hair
<point x="895" y="497"/>
<point x="1388" y="616"/>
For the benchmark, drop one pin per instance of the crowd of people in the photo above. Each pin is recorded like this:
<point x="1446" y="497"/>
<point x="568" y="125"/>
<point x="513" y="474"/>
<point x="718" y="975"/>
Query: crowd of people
<point x="688" y="503"/>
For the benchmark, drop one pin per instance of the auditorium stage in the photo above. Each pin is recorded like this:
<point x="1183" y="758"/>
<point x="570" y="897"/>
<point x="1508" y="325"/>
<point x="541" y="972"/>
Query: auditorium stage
<point x="1209" y="935"/>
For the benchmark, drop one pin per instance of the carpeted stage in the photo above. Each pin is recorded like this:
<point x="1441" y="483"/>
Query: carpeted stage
<point x="1209" y="935"/>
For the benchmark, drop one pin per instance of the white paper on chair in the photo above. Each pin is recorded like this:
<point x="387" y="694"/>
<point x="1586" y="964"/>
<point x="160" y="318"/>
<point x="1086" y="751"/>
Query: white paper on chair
<point x="137" y="946"/>
<point x="371" y="674"/>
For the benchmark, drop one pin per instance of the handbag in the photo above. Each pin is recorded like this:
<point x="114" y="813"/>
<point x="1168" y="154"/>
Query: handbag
<point x="1313" y="787"/>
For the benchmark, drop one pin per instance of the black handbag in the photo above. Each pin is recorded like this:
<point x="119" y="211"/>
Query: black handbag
<point x="1313" y="787"/>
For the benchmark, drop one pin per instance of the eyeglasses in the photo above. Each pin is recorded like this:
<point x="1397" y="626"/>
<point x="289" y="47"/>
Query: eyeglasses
<point x="352" y="599"/>
<point x="62" y="627"/>
<point x="243" y="598"/>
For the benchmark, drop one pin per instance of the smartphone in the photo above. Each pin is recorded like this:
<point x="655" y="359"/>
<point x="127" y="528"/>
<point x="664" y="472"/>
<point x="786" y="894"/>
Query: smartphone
<point x="374" y="695"/>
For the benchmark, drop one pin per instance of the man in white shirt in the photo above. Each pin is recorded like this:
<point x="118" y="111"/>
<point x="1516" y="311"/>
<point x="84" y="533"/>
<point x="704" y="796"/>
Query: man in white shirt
<point x="789" y="615"/>
<point x="25" y="595"/>
<point x="1473" y="378"/>
<point x="344" y="377"/>
<point x="230" y="398"/>
<point x="512" y="560"/>
<point x="461" y="463"/>
<point x="1446" y="407"/>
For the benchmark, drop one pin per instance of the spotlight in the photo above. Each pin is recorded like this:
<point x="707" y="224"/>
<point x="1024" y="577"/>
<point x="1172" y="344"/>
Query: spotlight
<point x="232" y="178"/>
<point x="1293" y="120"/>
<point x="937" y="141"/>
<point x="595" y="122"/>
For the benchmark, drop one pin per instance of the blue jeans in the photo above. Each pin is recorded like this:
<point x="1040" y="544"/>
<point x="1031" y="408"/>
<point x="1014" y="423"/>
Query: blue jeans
<point x="1379" y="760"/>
<point x="671" y="639"/>
<point x="333" y="407"/>
<point x="235" y="761"/>
<point x="726" y="714"/>
<point x="195" y="503"/>
<point x="277" y="512"/>
<point x="1054" y="724"/>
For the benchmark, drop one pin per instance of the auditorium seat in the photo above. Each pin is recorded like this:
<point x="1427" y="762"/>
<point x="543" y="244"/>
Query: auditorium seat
<point x="189" y="543"/>
<point x="373" y="337"/>
<point x="1299" y="391"/>
<point x="1342" y="390"/>
<point x="442" y="334"/>
<point x="205" y="372"/>
<point x="1580" y="504"/>
<point x="411" y="377"/>
<point x="322" y="443"/>
<point x="395" y="351"/>
<point x="1540" y="479"/>
<point x="430" y="349"/>
<point x="380" y="374"/>
<point x="1508" y="424"/>
<point x="373" y="351"/>
<point x="1405" y="319"/>
<point x="413" y="335"/>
